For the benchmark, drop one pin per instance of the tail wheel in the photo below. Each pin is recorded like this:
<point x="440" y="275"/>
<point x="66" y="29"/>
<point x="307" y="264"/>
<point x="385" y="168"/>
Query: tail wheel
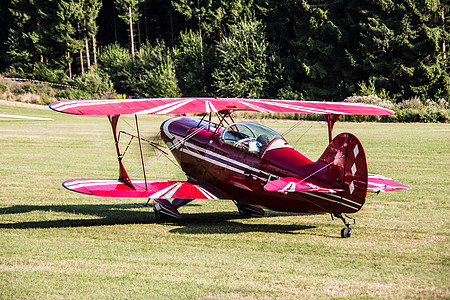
<point x="346" y="232"/>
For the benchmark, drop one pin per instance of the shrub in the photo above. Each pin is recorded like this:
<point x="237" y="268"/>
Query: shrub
<point x="150" y="74"/>
<point x="409" y="110"/>
<point x="19" y="88"/>
<point x="95" y="84"/>
<point x="39" y="71"/>
<point x="154" y="73"/>
<point x="116" y="62"/>
<point x="44" y="73"/>
<point x="414" y="110"/>
<point x="413" y="102"/>
<point x="5" y="86"/>
<point x="72" y="94"/>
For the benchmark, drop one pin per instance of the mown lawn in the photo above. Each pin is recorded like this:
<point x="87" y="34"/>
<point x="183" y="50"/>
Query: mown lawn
<point x="59" y="244"/>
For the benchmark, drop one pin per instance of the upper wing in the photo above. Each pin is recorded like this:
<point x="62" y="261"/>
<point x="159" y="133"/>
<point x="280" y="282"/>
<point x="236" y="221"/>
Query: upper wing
<point x="206" y="105"/>
<point x="154" y="189"/>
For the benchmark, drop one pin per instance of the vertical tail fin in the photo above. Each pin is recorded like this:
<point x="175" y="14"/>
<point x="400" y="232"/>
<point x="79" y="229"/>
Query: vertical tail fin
<point x="343" y="165"/>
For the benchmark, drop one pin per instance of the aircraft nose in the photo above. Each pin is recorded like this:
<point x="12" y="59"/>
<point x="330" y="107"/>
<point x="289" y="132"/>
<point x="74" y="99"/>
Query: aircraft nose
<point x="165" y="132"/>
<point x="168" y="131"/>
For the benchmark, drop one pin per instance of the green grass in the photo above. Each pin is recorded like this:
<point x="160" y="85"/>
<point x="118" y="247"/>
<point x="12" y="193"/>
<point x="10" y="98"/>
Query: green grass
<point x="59" y="244"/>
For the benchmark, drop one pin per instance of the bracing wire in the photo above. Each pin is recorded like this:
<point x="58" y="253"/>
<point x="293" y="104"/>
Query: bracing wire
<point x="174" y="146"/>
<point x="314" y="173"/>
<point x="126" y="122"/>
<point x="296" y="125"/>
<point x="303" y="134"/>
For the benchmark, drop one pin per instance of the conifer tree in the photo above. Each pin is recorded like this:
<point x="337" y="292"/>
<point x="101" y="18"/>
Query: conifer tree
<point x="65" y="32"/>
<point x="129" y="13"/>
<point x="194" y="77"/>
<point x="91" y="9"/>
<point x="401" y="47"/>
<point x="242" y="62"/>
<point x="24" y="47"/>
<point x="322" y="48"/>
<point x="5" y="15"/>
<point x="213" y="18"/>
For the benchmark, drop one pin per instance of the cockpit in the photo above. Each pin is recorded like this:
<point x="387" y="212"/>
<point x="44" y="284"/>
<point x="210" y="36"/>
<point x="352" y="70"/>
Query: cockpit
<point x="254" y="138"/>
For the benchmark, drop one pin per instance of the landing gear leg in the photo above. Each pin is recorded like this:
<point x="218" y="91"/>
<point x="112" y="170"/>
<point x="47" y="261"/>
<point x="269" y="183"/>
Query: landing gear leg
<point x="146" y="204"/>
<point x="164" y="209"/>
<point x="346" y="232"/>
<point x="246" y="210"/>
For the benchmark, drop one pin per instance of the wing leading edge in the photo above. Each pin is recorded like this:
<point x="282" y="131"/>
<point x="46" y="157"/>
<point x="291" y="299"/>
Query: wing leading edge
<point x="206" y="105"/>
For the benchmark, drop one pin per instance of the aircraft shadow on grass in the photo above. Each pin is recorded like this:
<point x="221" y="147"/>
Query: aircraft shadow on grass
<point x="120" y="214"/>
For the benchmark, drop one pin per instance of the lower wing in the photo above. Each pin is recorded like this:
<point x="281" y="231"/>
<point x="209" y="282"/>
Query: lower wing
<point x="142" y="189"/>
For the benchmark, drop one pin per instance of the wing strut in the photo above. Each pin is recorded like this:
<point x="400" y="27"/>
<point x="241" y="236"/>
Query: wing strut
<point x="123" y="175"/>
<point x="331" y="119"/>
<point x="140" y="148"/>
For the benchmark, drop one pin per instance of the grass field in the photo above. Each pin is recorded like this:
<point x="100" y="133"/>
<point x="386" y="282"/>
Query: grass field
<point x="58" y="244"/>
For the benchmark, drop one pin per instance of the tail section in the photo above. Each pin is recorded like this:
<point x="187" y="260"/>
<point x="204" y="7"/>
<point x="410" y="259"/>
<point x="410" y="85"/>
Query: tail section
<point x="343" y="165"/>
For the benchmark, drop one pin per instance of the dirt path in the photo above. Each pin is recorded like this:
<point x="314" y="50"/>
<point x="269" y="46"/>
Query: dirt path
<point x="21" y="104"/>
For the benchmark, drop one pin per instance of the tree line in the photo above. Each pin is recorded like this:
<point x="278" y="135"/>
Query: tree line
<point x="287" y="49"/>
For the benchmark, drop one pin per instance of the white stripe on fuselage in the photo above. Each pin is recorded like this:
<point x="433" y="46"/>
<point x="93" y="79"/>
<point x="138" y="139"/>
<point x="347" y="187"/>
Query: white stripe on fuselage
<point x="345" y="199"/>
<point x="213" y="161"/>
<point x="331" y="200"/>
<point x="225" y="158"/>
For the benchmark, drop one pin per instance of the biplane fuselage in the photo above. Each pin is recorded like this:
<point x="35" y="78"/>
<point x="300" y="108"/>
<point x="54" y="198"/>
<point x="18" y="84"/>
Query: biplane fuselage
<point x="245" y="162"/>
<point x="241" y="174"/>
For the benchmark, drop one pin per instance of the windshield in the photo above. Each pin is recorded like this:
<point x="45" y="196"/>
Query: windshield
<point x="252" y="137"/>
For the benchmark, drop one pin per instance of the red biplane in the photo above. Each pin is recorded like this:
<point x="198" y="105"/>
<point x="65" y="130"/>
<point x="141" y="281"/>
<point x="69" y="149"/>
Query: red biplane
<point x="248" y="163"/>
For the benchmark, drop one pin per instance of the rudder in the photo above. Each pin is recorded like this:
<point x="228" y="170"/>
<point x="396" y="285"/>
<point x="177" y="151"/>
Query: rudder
<point x="343" y="165"/>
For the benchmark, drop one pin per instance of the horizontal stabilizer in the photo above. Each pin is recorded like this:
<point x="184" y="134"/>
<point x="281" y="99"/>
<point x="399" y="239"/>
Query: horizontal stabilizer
<point x="292" y="184"/>
<point x="153" y="189"/>
<point x="380" y="183"/>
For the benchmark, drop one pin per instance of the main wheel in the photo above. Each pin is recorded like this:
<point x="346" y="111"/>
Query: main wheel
<point x="346" y="232"/>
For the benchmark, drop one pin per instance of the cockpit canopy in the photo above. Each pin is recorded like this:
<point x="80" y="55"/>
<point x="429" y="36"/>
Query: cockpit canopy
<point x="253" y="138"/>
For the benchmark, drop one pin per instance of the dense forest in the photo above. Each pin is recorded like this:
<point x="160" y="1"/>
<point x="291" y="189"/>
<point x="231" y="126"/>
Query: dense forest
<point x="287" y="49"/>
